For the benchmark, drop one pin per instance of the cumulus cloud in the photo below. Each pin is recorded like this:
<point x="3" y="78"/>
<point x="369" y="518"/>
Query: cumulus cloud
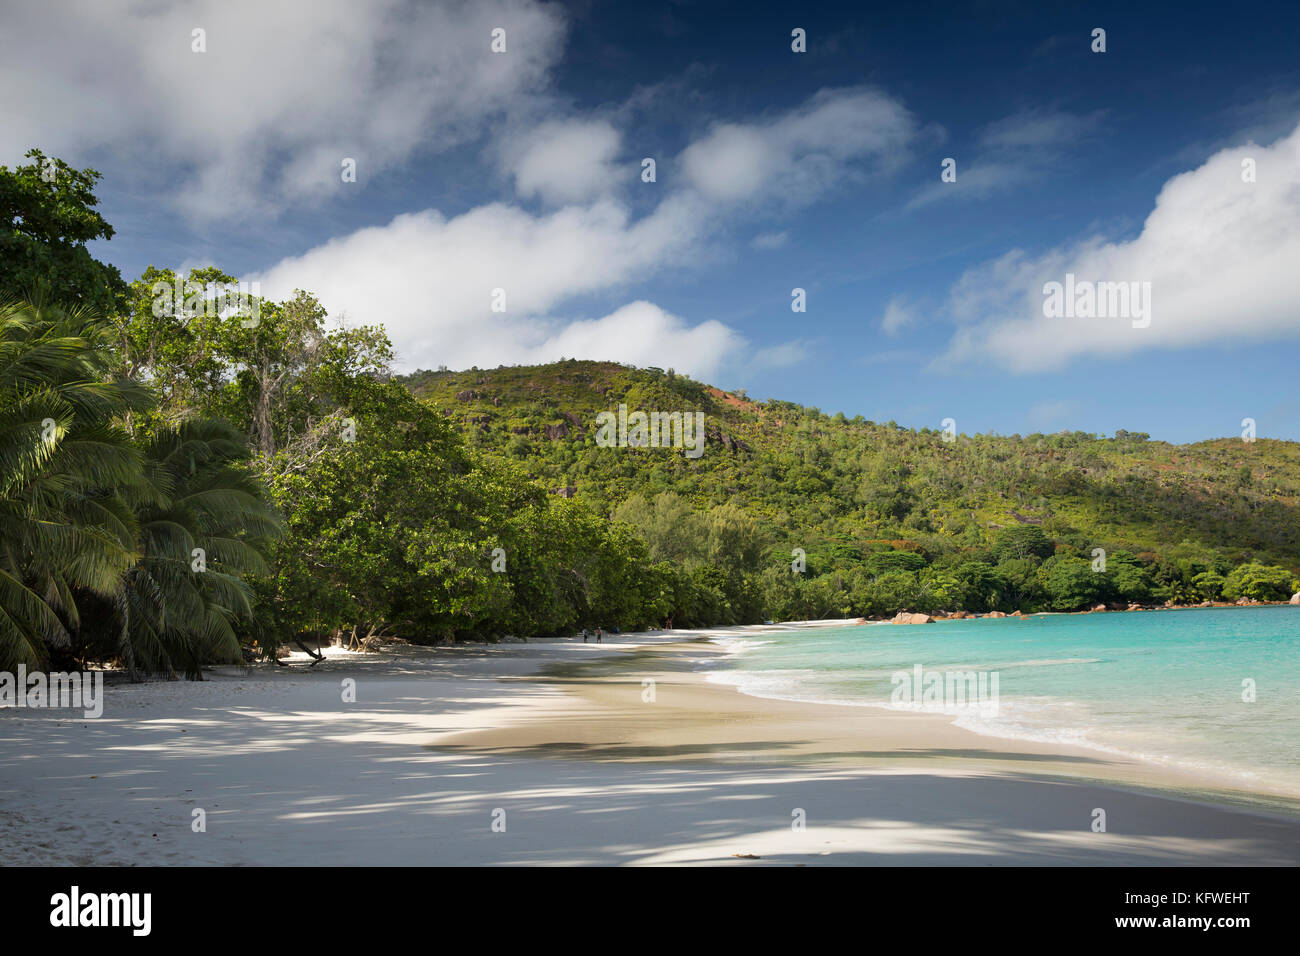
<point x="1219" y="253"/>
<point x="641" y="333"/>
<point x="800" y="154"/>
<point x="567" y="161"/>
<point x="284" y="92"/>
<point x="430" y="280"/>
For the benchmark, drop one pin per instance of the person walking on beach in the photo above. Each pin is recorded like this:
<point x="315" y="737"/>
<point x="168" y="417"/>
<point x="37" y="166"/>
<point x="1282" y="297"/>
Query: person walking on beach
<point x="584" y="635"/>
<point x="599" y="635"/>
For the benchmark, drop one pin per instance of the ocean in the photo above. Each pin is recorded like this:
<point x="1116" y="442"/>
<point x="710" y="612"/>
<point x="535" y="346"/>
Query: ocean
<point x="1214" y="690"/>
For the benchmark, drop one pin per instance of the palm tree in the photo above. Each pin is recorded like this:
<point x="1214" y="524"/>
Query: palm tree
<point x="202" y="534"/>
<point x="61" y="447"/>
<point x="156" y="542"/>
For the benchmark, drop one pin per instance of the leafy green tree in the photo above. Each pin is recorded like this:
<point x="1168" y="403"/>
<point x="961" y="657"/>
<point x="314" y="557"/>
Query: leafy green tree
<point x="734" y="538"/>
<point x="887" y="491"/>
<point x="979" y="584"/>
<point x="1259" y="582"/>
<point x="389" y="527"/>
<point x="1209" y="584"/>
<point x="1071" y="583"/>
<point x="47" y="215"/>
<point x="1020" y="542"/>
<point x="1126" y="578"/>
<point x="1023" y="590"/>
<point x="672" y="529"/>
<point x="272" y="368"/>
<point x="883" y="562"/>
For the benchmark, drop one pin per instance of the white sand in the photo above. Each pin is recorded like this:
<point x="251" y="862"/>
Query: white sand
<point x="439" y="739"/>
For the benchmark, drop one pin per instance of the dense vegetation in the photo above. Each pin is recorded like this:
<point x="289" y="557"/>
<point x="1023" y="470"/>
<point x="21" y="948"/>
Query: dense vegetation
<point x="184" y="479"/>
<point x="891" y="518"/>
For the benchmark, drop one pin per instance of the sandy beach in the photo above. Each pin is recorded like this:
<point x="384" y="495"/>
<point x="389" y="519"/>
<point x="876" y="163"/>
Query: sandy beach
<point x="564" y="753"/>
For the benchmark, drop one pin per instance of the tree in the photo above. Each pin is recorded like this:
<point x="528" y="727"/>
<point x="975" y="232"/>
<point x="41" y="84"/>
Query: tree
<point x="979" y="585"/>
<point x="272" y="368"/>
<point x="47" y="215"/>
<point x="1209" y="584"/>
<point x="60" y="452"/>
<point x="734" y="539"/>
<point x="1259" y="582"/>
<point x="204" y="534"/>
<point x="100" y="536"/>
<point x="1023" y="589"/>
<point x="670" y="527"/>
<point x="1071" y="583"/>
<point x="1022" y="541"/>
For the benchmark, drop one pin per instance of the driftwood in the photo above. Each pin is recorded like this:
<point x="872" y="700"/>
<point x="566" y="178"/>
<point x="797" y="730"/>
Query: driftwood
<point x="315" y="655"/>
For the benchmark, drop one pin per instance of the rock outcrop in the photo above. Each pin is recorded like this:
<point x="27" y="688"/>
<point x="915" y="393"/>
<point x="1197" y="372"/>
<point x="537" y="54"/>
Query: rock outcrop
<point x="903" y="617"/>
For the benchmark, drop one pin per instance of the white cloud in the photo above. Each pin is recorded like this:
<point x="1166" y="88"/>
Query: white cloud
<point x="284" y="92"/>
<point x="429" y="280"/>
<point x="1038" y="129"/>
<point x="897" y="315"/>
<point x="799" y="155"/>
<point x="781" y="356"/>
<point x="1220" y="255"/>
<point x="979" y="181"/>
<point x="770" y="240"/>
<point x="1010" y="152"/>
<point x="567" y="161"/>
<point x="640" y="333"/>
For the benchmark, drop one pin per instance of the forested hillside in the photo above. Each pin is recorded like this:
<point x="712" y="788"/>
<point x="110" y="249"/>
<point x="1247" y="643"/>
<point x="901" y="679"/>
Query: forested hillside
<point x="845" y="490"/>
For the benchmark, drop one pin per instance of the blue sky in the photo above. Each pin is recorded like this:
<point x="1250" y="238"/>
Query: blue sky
<point x="775" y="170"/>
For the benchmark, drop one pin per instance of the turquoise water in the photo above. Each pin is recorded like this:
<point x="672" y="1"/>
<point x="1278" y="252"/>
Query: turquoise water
<point x="1162" y="686"/>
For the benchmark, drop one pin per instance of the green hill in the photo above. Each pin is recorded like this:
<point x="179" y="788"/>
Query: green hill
<point x="843" y="488"/>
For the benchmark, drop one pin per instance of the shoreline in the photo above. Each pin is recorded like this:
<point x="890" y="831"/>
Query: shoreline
<point x="559" y="737"/>
<point x="896" y="742"/>
<point x="941" y="616"/>
<point x="1259" y="786"/>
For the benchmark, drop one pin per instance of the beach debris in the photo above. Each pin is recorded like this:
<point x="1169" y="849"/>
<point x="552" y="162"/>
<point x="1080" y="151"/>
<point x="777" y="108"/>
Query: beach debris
<point x="746" y="856"/>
